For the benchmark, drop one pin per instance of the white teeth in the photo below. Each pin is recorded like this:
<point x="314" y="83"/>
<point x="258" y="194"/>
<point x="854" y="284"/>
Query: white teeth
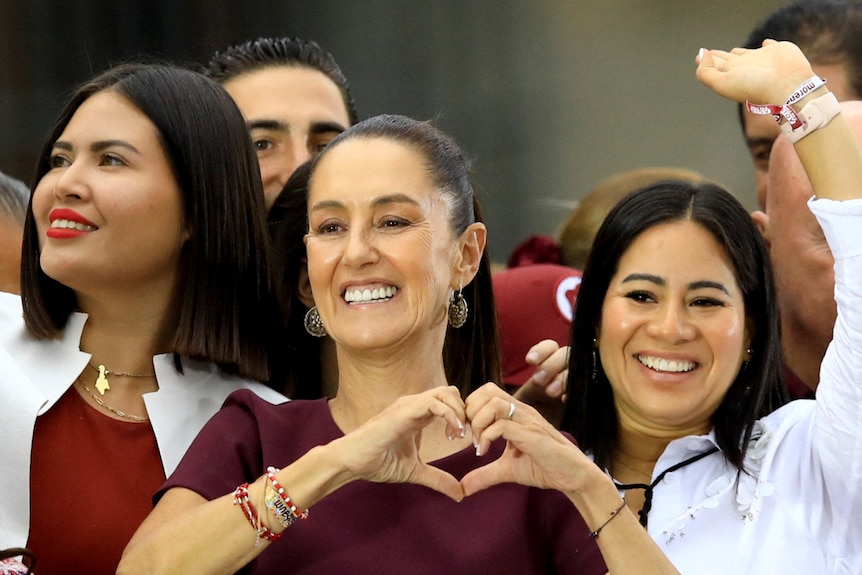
<point x="70" y="225"/>
<point x="672" y="365"/>
<point x="369" y="295"/>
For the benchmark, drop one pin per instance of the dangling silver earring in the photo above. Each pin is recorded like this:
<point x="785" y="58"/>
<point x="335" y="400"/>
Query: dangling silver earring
<point x="314" y="324"/>
<point x="457" y="309"/>
<point x="745" y="362"/>
<point x="595" y="361"/>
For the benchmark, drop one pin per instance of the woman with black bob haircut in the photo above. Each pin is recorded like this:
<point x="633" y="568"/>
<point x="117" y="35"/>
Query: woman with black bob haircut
<point x="146" y="301"/>
<point x="757" y="390"/>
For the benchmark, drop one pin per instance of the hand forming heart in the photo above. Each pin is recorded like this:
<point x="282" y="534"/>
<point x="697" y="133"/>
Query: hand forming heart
<point x="386" y="449"/>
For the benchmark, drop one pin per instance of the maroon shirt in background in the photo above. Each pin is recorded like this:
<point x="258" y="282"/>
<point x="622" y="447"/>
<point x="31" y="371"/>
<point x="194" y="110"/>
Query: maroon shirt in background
<point x="384" y="528"/>
<point x="91" y="484"/>
<point x="796" y="387"/>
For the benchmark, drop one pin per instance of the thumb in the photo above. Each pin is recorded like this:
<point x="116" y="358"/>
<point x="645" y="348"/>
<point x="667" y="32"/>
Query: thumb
<point x="484" y="477"/>
<point x="440" y="481"/>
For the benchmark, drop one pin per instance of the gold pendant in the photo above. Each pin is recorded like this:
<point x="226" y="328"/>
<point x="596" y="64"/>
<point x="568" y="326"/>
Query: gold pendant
<point x="102" y="384"/>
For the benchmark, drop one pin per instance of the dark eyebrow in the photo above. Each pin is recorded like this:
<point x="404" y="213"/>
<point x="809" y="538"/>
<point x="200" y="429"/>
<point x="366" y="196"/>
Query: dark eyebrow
<point x="709" y="285"/>
<point x="378" y="202"/>
<point x="279" y="126"/>
<point x="645" y="277"/>
<point x="98" y="146"/>
<point x="266" y="124"/>
<point x="326" y="128"/>
<point x="700" y="284"/>
<point x="105" y="144"/>
<point x="754" y="142"/>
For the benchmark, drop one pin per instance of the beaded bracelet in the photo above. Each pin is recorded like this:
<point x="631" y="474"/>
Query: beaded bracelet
<point x="279" y="502"/>
<point x="614" y="513"/>
<point x="241" y="499"/>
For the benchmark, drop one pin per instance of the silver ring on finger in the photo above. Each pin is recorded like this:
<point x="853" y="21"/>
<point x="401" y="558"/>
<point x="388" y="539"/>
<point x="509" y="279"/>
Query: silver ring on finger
<point x="511" y="410"/>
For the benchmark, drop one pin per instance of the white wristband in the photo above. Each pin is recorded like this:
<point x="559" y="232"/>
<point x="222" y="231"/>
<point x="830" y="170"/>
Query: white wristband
<point x="814" y="115"/>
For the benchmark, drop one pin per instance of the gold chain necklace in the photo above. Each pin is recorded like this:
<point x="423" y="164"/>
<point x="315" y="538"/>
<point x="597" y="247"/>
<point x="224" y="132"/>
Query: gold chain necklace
<point x="121" y="413"/>
<point x="630" y="468"/>
<point x="102" y="384"/>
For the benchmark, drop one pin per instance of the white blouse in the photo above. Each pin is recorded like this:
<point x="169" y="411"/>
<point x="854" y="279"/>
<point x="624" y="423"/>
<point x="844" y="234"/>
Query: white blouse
<point x="799" y="508"/>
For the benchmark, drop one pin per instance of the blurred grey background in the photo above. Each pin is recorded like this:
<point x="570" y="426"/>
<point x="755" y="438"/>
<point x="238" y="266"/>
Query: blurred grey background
<point x="547" y="97"/>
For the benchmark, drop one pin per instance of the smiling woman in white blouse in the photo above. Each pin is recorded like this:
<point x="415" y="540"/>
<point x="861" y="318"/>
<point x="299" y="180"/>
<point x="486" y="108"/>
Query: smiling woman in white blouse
<point x="675" y="384"/>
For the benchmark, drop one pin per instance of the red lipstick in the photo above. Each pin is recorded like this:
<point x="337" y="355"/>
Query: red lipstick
<point x="71" y="216"/>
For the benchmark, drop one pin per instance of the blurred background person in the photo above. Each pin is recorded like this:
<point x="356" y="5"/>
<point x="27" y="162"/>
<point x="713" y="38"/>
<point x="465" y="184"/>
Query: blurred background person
<point x="14" y="196"/>
<point x="294" y="97"/>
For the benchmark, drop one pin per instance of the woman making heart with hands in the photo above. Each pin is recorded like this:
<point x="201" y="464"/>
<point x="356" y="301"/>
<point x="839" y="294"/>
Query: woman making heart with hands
<point x="401" y="283"/>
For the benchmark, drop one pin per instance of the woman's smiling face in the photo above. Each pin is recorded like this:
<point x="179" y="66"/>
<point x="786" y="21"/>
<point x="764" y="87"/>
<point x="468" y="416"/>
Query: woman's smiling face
<point x="381" y="250"/>
<point x="673" y="330"/>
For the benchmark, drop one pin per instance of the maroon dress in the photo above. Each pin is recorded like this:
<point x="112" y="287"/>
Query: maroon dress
<point x="375" y="528"/>
<point x="91" y="485"/>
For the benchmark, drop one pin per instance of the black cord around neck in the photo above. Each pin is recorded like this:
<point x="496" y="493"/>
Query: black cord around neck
<point x="648" y="489"/>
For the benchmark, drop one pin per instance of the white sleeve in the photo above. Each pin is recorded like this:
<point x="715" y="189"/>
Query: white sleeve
<point x="838" y="415"/>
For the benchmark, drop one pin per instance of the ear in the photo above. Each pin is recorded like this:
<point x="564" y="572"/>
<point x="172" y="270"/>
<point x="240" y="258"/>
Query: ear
<point x="761" y="220"/>
<point x="470" y="247"/>
<point x="303" y="286"/>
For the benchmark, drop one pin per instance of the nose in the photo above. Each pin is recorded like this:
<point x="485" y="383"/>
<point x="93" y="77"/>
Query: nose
<point x="70" y="182"/>
<point x="671" y="324"/>
<point x="360" y="249"/>
<point x="296" y="155"/>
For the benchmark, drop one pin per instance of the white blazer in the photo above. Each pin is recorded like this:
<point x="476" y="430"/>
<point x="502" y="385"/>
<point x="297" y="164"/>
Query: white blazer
<point x="34" y="374"/>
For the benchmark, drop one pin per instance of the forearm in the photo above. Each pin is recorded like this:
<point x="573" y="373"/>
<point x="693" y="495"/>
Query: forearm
<point x="832" y="159"/>
<point x="187" y="534"/>
<point x="625" y="544"/>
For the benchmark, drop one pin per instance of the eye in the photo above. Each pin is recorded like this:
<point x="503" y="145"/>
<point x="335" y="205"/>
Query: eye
<point x="329" y="228"/>
<point x="111" y="160"/>
<point x="393" y="222"/>
<point x="318" y="148"/>
<point x="760" y="154"/>
<point x="262" y="145"/>
<point x="58" y="161"/>
<point x="640" y="296"/>
<point x="706" y="302"/>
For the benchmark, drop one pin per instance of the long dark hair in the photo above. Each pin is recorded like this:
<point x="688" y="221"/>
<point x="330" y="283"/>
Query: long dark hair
<point x="471" y="353"/>
<point x="288" y="222"/>
<point x="758" y="388"/>
<point x="224" y="306"/>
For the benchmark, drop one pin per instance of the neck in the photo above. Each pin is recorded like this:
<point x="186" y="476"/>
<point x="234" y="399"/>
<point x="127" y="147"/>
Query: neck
<point x="124" y="337"/>
<point x="639" y="446"/>
<point x="370" y="382"/>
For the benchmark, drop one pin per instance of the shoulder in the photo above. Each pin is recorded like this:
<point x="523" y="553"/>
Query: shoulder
<point x="10" y="307"/>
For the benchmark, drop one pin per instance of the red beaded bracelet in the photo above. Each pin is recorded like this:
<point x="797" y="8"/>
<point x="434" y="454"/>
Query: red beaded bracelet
<point x="286" y="518"/>
<point x="241" y="499"/>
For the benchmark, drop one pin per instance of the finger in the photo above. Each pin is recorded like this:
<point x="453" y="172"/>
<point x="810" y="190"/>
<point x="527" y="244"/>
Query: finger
<point x="450" y="408"/>
<point x="557" y="387"/>
<point x="551" y="365"/>
<point x="451" y="397"/>
<point x="439" y="481"/>
<point x="501" y="418"/>
<point x="484" y="415"/>
<point x="541" y="351"/>
<point x="481" y="397"/>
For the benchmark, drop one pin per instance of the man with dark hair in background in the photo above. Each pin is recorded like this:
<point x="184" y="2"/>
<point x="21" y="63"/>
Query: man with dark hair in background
<point x="294" y="97"/>
<point x="829" y="32"/>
